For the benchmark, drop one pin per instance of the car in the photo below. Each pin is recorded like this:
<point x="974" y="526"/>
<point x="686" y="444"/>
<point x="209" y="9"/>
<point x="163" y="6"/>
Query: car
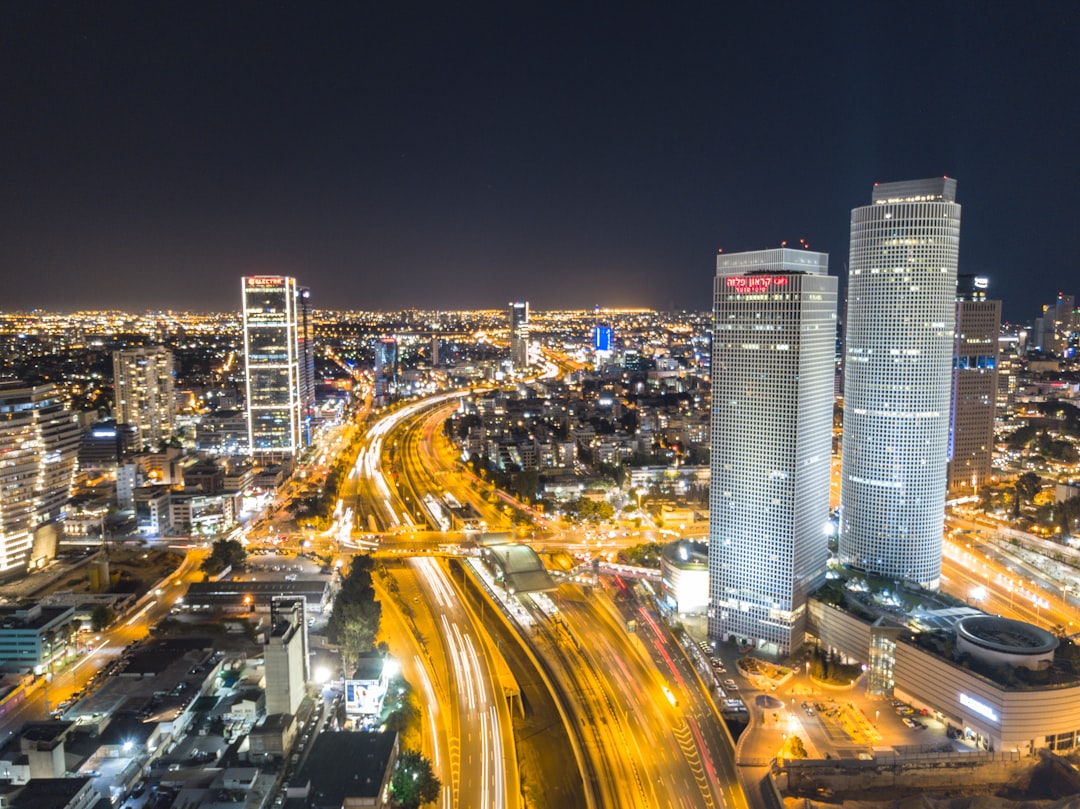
<point x="909" y="722"/>
<point x="729" y="683"/>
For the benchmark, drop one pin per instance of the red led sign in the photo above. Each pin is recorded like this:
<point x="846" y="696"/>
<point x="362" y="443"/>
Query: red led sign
<point x="755" y="283"/>
<point x="265" y="281"/>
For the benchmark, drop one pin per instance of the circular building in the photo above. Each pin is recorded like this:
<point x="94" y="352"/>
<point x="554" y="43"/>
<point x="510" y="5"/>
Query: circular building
<point x="999" y="641"/>
<point x="684" y="582"/>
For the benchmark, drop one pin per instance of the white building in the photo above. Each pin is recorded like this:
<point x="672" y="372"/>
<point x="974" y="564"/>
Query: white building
<point x="272" y="362"/>
<point x="519" y="334"/>
<point x="145" y="399"/>
<point x="897" y="379"/>
<point x="772" y="398"/>
<point x="39" y="444"/>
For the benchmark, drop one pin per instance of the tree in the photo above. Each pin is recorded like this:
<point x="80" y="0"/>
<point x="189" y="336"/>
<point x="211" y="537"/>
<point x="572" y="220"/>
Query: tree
<point x="354" y="620"/>
<point x="794" y="748"/>
<point x="413" y="782"/>
<point x="101" y="617"/>
<point x="224" y="553"/>
<point x="1027" y="486"/>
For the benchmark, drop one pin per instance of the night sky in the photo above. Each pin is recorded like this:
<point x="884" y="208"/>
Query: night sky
<point x="460" y="155"/>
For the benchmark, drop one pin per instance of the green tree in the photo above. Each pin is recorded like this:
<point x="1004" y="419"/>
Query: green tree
<point x="1027" y="486"/>
<point x="413" y="782"/>
<point x="354" y="620"/>
<point x="794" y="748"/>
<point x="101" y="617"/>
<point x="224" y="553"/>
<point x="402" y="706"/>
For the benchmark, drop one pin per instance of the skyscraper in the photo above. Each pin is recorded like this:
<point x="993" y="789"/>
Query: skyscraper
<point x="975" y="383"/>
<point x="145" y="400"/>
<point x="897" y="379"/>
<point x="305" y="332"/>
<point x="519" y="334"/>
<point x="774" y="333"/>
<point x="272" y="365"/>
<point x="39" y="442"/>
<point x="385" y="370"/>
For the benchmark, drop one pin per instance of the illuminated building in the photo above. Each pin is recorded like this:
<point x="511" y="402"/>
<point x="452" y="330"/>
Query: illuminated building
<point x="386" y="363"/>
<point x="897" y="379"/>
<point x="602" y="337"/>
<point x="306" y="352"/>
<point x="145" y="400"/>
<point x="272" y="365"/>
<point x="519" y="334"/>
<point x="975" y="383"/>
<point x="774" y="315"/>
<point x="39" y="442"/>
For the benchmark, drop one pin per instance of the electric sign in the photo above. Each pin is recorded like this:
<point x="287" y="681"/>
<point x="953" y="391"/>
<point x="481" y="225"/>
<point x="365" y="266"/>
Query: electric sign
<point x="981" y="708"/>
<point x="744" y="284"/>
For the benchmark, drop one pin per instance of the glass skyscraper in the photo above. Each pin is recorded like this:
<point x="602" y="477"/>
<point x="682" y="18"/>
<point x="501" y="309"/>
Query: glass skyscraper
<point x="272" y="357"/>
<point x="897" y="379"/>
<point x="773" y="348"/>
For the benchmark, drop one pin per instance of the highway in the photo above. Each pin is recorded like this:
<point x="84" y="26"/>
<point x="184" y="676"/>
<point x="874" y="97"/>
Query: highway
<point x="468" y="723"/>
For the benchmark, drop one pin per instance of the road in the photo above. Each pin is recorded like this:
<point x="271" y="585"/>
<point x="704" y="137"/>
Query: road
<point x="469" y="719"/>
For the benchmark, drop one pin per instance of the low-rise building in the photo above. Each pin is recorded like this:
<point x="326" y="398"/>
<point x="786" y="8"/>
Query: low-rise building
<point x="1005" y="684"/>
<point x="32" y="637"/>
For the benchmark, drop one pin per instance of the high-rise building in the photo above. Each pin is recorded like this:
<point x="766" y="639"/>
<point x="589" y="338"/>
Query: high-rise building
<point x="272" y="365"/>
<point x="519" y="334"/>
<point x="145" y="399"/>
<point x="975" y="385"/>
<point x="773" y="345"/>
<point x="897" y="379"/>
<point x="39" y="443"/>
<point x="386" y="363"/>
<point x="305" y="332"/>
<point x="286" y="656"/>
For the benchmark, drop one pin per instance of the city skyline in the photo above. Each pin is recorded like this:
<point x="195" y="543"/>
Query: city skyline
<point x="469" y="159"/>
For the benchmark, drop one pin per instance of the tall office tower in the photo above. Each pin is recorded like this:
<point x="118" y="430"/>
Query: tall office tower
<point x="145" y="400"/>
<point x="519" y="334"/>
<point x="897" y="379"/>
<point x="1063" y="324"/>
<point x="386" y="361"/>
<point x="306" y="338"/>
<point x="974" y="385"/>
<point x="39" y="443"/>
<point x="272" y="365"/>
<point x="773" y="345"/>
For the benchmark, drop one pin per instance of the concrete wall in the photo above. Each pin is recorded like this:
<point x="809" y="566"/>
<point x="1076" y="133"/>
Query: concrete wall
<point x="946" y="771"/>
<point x="847" y="634"/>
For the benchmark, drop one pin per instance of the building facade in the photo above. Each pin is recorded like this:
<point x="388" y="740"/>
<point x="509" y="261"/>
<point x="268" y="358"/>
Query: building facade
<point x="774" y="314"/>
<point x="974" y="386"/>
<point x="145" y="397"/>
<point x="272" y="365"/>
<point x="519" y="334"/>
<point x="285" y="653"/>
<point x="386" y="368"/>
<point x="39" y="444"/>
<point x="897" y="379"/>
